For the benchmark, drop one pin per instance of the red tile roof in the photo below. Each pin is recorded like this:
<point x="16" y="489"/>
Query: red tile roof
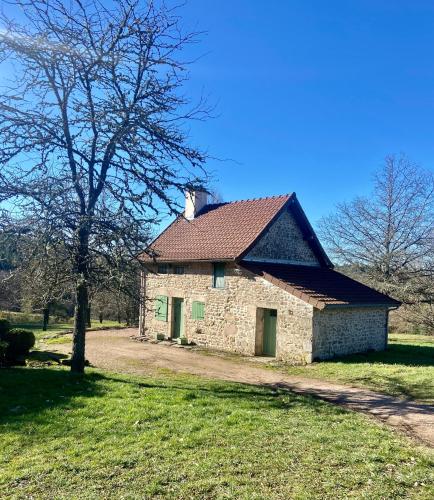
<point x="221" y="231"/>
<point x="319" y="286"/>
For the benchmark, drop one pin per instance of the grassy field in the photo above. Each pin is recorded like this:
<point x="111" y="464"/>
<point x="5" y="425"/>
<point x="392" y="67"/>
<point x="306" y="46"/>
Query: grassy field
<point x="405" y="369"/>
<point x="173" y="436"/>
<point x="34" y="322"/>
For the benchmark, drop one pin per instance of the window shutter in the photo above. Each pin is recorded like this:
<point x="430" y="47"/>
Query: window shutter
<point x="161" y="308"/>
<point x="198" y="310"/>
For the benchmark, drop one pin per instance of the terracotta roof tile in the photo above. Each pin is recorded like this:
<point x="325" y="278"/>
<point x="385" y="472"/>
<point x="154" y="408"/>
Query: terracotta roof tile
<point x="220" y="231"/>
<point x="319" y="286"/>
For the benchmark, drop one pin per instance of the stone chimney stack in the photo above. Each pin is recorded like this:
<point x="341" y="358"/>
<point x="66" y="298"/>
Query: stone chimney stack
<point x="194" y="202"/>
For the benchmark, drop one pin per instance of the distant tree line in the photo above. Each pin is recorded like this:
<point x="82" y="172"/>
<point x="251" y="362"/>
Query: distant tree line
<point x="35" y="277"/>
<point x="387" y="239"/>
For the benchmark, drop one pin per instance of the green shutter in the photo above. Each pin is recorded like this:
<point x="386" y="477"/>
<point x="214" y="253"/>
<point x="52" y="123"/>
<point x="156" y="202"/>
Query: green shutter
<point x="198" y="310"/>
<point x="219" y="276"/>
<point x="161" y="308"/>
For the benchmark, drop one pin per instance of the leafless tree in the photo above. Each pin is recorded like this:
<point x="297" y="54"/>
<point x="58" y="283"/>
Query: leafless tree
<point x="120" y="298"/>
<point x="115" y="283"/>
<point x="388" y="237"/>
<point x="43" y="272"/>
<point x="93" y="132"/>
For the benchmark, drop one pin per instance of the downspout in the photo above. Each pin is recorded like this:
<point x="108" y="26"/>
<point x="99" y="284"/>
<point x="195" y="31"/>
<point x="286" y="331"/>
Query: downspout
<point x="386" y="333"/>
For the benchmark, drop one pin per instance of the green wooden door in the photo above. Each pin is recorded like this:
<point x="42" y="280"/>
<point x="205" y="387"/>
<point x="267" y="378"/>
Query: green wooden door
<point x="269" y="338"/>
<point x="178" y="318"/>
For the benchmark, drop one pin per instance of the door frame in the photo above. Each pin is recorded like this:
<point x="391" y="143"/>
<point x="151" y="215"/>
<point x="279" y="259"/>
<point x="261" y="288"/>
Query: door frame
<point x="175" y="301"/>
<point x="261" y="313"/>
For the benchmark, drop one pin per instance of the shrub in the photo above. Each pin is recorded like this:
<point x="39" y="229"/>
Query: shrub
<point x="20" y="342"/>
<point x="5" y="326"/>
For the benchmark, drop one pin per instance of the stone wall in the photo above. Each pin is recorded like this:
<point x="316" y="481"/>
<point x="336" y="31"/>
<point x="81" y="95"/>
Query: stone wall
<point x="231" y="313"/>
<point x="347" y="330"/>
<point x="283" y="242"/>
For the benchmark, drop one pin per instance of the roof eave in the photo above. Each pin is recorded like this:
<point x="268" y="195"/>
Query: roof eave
<point x="388" y="305"/>
<point x="157" y="260"/>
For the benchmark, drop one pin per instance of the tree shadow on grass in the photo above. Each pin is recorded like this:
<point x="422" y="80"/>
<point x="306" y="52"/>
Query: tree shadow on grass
<point x="402" y="387"/>
<point x="257" y="395"/>
<point x="27" y="395"/>
<point x="396" y="354"/>
<point x="25" y="391"/>
<point x="45" y="358"/>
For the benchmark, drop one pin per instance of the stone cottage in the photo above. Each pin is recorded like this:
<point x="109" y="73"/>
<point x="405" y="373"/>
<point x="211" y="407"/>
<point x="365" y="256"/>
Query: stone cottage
<point x="251" y="277"/>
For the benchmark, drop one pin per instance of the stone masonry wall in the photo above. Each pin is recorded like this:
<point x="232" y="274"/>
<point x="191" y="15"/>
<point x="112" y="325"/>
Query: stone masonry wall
<point x="341" y="331"/>
<point x="230" y="313"/>
<point x="283" y="242"/>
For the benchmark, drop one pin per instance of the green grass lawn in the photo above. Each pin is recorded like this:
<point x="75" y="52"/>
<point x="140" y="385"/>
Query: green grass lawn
<point x="405" y="369"/>
<point x="34" y="322"/>
<point x="177" y="436"/>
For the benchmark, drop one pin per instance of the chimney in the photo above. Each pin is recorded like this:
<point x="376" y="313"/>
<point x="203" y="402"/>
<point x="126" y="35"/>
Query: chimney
<point x="194" y="202"/>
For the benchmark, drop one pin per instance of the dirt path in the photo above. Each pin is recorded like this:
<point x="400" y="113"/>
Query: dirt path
<point x="115" y="351"/>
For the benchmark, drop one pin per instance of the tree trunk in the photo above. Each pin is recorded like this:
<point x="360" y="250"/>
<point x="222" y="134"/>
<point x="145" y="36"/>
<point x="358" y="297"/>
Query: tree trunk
<point x="82" y="299"/>
<point x="46" y="318"/>
<point x="88" y="318"/>
<point x="100" y="317"/>
<point x="79" y="337"/>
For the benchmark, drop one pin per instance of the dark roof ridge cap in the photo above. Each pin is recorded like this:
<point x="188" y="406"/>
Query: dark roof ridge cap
<point x="260" y="198"/>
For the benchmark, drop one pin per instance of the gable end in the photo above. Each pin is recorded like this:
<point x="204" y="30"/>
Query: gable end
<point x="288" y="239"/>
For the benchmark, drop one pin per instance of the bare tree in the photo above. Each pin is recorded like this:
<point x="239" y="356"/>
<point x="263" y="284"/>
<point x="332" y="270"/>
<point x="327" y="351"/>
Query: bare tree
<point x="389" y="237"/>
<point x="93" y="127"/>
<point x="115" y="284"/>
<point x="43" y="272"/>
<point x="120" y="298"/>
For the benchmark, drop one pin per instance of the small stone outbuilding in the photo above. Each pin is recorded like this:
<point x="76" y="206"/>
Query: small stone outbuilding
<point x="251" y="277"/>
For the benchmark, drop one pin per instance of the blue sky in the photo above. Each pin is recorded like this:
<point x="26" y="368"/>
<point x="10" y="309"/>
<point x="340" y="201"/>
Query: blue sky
<point x="312" y="95"/>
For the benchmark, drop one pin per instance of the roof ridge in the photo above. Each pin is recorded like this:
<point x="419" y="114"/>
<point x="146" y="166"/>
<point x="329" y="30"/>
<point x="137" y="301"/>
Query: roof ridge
<point x="261" y="198"/>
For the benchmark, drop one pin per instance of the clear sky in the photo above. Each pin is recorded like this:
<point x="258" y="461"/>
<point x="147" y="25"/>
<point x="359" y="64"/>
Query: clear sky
<point x="311" y="95"/>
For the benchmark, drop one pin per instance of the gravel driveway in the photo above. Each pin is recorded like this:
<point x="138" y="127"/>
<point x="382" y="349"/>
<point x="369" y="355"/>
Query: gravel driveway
<point x="115" y="351"/>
